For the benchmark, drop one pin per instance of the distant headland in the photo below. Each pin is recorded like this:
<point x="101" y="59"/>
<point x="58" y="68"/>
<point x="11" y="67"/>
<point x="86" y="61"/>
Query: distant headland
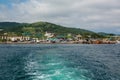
<point x="45" y="32"/>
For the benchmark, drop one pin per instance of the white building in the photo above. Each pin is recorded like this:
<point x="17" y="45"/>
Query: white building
<point x="49" y="35"/>
<point x="18" y="38"/>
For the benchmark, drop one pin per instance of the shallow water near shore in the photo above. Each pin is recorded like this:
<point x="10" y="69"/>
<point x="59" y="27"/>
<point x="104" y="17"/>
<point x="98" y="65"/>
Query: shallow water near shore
<point x="59" y="62"/>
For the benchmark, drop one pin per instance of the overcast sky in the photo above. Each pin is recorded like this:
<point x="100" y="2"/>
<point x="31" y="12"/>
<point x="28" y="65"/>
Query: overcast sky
<point x="95" y="15"/>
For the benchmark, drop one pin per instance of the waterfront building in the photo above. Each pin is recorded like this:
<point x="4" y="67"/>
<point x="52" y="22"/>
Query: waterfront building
<point x="78" y="37"/>
<point x="17" y="38"/>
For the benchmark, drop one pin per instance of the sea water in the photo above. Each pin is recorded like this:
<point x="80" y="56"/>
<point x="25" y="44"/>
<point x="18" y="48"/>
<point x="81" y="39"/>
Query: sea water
<point x="59" y="62"/>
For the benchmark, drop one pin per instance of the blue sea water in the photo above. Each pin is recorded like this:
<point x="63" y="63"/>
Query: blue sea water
<point x="59" y="62"/>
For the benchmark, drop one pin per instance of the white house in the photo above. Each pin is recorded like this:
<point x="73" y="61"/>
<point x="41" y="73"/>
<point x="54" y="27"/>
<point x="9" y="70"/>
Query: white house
<point x="49" y="35"/>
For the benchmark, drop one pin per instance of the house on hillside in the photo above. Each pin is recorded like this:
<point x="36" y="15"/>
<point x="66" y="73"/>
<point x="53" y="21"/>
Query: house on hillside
<point x="49" y="35"/>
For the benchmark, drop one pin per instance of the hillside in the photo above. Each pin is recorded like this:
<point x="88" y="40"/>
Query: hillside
<point x="11" y="26"/>
<point x="45" y="26"/>
<point x="42" y="27"/>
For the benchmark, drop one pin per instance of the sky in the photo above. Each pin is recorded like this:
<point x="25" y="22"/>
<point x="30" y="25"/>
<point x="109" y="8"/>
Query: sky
<point x="94" y="15"/>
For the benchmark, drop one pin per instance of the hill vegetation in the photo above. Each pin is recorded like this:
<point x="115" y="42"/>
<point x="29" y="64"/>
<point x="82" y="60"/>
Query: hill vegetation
<point x="42" y="27"/>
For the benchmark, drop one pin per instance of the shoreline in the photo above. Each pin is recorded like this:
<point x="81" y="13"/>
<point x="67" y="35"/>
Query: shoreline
<point x="53" y="43"/>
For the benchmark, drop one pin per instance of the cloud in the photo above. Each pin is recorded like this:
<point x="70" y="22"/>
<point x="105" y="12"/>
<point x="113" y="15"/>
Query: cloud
<point x="96" y="15"/>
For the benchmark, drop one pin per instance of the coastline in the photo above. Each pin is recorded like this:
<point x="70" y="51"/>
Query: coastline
<point x="110" y="42"/>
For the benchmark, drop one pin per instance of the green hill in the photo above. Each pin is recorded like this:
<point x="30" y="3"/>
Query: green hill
<point x="11" y="26"/>
<point x="41" y="27"/>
